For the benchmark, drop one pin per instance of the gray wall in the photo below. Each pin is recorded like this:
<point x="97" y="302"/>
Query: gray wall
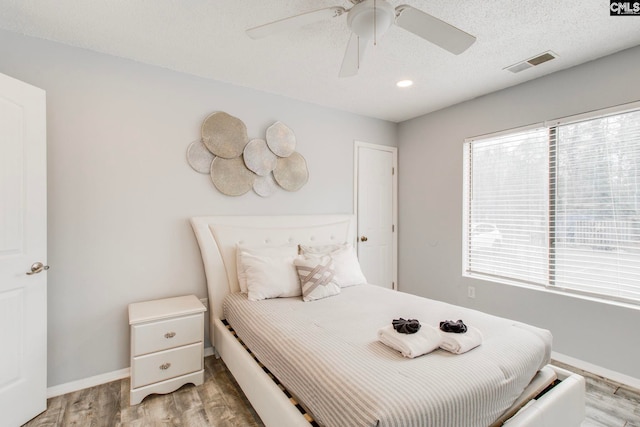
<point x="430" y="177"/>
<point x="121" y="192"/>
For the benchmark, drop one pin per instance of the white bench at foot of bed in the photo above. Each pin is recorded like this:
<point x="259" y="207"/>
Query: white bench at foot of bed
<point x="562" y="406"/>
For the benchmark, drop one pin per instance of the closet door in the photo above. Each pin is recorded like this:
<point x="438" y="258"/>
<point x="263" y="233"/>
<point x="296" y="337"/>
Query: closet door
<point x="376" y="209"/>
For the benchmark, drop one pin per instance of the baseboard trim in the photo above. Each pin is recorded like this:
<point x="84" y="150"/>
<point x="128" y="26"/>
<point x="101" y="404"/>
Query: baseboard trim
<point x="70" y="387"/>
<point x="597" y="370"/>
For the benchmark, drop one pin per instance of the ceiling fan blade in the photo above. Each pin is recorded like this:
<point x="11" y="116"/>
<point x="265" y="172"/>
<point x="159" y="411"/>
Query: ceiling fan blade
<point x="353" y="56"/>
<point x="433" y="30"/>
<point x="294" y="22"/>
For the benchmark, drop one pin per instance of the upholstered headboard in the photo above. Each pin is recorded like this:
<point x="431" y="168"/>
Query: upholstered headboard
<point x="219" y="235"/>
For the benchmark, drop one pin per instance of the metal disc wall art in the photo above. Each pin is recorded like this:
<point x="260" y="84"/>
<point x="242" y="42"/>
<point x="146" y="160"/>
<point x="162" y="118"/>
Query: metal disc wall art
<point x="291" y="172"/>
<point x="224" y="135"/>
<point x="237" y="165"/>
<point x="264" y="186"/>
<point x="199" y="157"/>
<point x="281" y="139"/>
<point x="258" y="158"/>
<point x="231" y="176"/>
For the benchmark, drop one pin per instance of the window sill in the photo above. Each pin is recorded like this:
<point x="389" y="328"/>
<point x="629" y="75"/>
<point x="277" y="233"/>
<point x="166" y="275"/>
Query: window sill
<point x="550" y="290"/>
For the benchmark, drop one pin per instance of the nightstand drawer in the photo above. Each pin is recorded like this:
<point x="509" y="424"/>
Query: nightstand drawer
<point x="166" y="364"/>
<point x="165" y="334"/>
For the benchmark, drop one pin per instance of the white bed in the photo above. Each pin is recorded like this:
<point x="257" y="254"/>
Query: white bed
<point x="218" y="237"/>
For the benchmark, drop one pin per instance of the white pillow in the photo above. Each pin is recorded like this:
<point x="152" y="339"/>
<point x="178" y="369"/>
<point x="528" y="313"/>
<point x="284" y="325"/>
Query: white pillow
<point x="270" y="277"/>
<point x="322" y="250"/>
<point x="316" y="277"/>
<point x="267" y="251"/>
<point x="345" y="262"/>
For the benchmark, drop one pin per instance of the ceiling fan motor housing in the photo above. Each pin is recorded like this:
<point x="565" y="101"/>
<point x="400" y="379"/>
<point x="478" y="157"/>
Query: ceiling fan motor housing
<point x="370" y="19"/>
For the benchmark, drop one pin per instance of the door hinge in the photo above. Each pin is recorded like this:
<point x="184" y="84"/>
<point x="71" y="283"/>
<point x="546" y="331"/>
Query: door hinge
<point x="393" y="171"/>
<point x="393" y="228"/>
<point x="393" y="285"/>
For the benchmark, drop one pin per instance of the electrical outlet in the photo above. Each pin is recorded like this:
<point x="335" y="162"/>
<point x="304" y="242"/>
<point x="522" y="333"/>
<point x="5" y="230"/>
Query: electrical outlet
<point x="471" y="292"/>
<point x="205" y="302"/>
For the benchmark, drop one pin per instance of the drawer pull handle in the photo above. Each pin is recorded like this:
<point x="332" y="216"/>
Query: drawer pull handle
<point x="170" y="335"/>
<point x="165" y="366"/>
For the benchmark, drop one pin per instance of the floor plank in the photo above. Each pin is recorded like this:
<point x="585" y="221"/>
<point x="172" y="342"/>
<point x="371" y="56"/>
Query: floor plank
<point x="220" y="402"/>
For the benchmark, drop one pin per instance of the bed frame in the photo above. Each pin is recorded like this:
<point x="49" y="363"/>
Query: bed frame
<point x="218" y="236"/>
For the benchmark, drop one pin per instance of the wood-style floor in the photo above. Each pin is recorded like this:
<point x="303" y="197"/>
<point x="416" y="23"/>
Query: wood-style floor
<point x="609" y="404"/>
<point x="220" y="402"/>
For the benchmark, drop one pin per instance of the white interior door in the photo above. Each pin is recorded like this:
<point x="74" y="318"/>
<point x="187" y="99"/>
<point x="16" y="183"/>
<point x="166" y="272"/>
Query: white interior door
<point x="376" y="210"/>
<point x="23" y="231"/>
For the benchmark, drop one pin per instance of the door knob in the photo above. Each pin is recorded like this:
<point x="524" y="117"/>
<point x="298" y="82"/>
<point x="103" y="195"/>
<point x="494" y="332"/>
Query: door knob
<point x="37" y="267"/>
<point x="364" y="238"/>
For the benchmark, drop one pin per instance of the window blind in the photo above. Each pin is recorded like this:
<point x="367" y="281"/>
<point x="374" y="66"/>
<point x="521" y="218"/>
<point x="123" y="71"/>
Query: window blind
<point x="557" y="206"/>
<point x="507" y="219"/>
<point x="595" y="167"/>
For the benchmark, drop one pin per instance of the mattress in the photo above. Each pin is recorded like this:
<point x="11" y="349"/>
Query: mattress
<point x="326" y="354"/>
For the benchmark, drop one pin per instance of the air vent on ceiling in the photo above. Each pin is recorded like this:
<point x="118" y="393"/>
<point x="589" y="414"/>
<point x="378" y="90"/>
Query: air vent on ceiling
<point x="532" y="62"/>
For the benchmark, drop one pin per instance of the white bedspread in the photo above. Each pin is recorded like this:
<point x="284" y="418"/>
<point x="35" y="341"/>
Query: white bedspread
<point x="326" y="353"/>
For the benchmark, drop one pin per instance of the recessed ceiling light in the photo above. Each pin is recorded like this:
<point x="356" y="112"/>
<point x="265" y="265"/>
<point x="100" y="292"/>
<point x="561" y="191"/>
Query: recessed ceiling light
<point x="404" y="83"/>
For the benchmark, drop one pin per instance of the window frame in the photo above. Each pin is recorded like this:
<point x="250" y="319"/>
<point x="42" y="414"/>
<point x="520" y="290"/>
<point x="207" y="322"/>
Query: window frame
<point x="550" y="285"/>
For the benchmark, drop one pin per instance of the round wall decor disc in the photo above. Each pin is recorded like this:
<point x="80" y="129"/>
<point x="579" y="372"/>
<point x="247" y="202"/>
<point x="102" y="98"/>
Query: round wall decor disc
<point x="231" y="176"/>
<point x="199" y="157"/>
<point x="265" y="186"/>
<point x="291" y="172"/>
<point x="281" y="139"/>
<point x="258" y="158"/>
<point x="224" y="135"/>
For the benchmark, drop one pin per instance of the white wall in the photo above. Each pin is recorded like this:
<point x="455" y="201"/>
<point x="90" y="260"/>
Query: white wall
<point x="121" y="192"/>
<point x="430" y="233"/>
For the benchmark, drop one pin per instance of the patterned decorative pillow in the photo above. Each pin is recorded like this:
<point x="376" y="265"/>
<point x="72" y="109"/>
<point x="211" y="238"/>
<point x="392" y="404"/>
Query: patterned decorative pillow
<point x="316" y="277"/>
<point x="345" y="262"/>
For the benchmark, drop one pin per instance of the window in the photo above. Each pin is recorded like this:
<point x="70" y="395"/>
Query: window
<point x="557" y="205"/>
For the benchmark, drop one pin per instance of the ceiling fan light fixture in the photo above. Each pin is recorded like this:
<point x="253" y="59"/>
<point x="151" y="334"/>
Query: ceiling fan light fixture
<point x="404" y="83"/>
<point x="370" y="19"/>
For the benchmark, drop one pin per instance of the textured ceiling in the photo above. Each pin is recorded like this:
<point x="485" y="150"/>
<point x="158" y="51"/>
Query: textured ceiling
<point x="206" y="38"/>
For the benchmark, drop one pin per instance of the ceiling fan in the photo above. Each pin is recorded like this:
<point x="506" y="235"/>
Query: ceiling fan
<point x="368" y="20"/>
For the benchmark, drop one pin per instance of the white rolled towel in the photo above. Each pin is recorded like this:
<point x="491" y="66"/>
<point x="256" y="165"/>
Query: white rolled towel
<point x="461" y="343"/>
<point x="422" y="342"/>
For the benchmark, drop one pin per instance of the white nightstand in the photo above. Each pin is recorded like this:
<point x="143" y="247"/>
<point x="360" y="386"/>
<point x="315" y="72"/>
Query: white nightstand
<point x="167" y="347"/>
